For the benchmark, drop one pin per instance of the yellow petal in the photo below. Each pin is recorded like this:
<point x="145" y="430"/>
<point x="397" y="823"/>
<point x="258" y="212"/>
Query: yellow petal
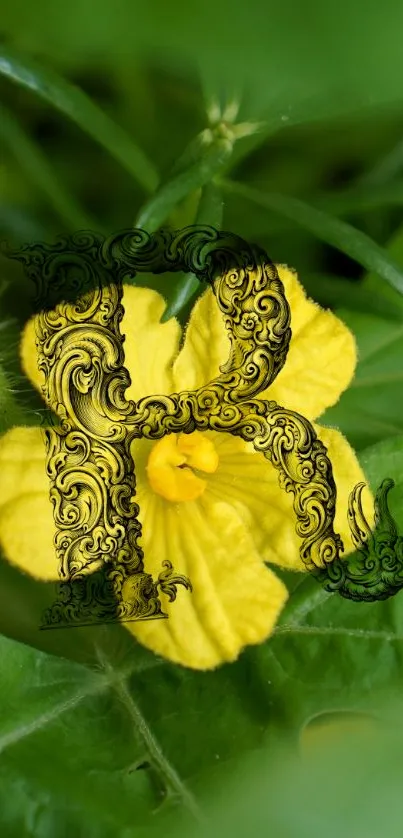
<point x="321" y="359"/>
<point x="206" y="346"/>
<point x="235" y="601"/>
<point x="150" y="346"/>
<point x="319" y="366"/>
<point x="26" y="514"/>
<point x="28" y="354"/>
<point x="249" y="483"/>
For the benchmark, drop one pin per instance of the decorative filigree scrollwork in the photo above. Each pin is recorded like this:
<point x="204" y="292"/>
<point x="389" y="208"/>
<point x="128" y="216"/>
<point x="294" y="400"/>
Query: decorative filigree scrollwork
<point x="89" y="464"/>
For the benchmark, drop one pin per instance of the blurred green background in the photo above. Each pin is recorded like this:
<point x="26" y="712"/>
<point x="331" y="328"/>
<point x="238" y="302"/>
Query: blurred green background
<point x="116" y="113"/>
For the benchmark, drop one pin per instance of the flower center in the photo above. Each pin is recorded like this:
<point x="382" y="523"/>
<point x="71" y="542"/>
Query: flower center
<point x="171" y="463"/>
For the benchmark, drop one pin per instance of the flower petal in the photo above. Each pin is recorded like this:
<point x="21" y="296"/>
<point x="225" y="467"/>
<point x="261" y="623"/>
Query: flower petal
<point x="321" y="359"/>
<point x="28" y="355"/>
<point x="247" y="481"/>
<point x="320" y="362"/>
<point x="150" y="346"/>
<point x="235" y="601"/>
<point x="206" y="346"/>
<point x="26" y="514"/>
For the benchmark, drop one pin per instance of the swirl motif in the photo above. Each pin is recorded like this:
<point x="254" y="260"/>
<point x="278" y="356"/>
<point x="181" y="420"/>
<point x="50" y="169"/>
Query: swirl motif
<point x="89" y="464"/>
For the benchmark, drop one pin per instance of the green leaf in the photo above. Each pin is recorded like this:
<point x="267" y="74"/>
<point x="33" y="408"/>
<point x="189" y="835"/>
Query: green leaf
<point x="349" y="786"/>
<point x="322" y="664"/>
<point x="328" y="229"/>
<point x="113" y="736"/>
<point x="369" y="410"/>
<point x="305" y="597"/>
<point x="28" y="812"/>
<point x="210" y="211"/>
<point x="61" y="723"/>
<point x="326" y="647"/>
<point x="386" y="169"/>
<point x="157" y="209"/>
<point x="38" y="169"/>
<point x="68" y="732"/>
<point x="371" y="281"/>
<point x="22" y="603"/>
<point x="385" y="459"/>
<point x="361" y="198"/>
<point x="75" y="104"/>
<point x="329" y="291"/>
<point x="356" y="199"/>
<point x="63" y="726"/>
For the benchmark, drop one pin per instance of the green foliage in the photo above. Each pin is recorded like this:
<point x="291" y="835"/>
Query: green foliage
<point x="111" y="113"/>
<point x="327" y="799"/>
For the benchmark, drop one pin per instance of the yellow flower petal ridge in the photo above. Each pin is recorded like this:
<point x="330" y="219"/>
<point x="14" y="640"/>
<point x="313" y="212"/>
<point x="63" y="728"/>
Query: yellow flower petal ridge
<point x="236" y="598"/>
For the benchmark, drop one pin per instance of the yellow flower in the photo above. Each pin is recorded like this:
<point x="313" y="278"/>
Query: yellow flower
<point x="208" y="502"/>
